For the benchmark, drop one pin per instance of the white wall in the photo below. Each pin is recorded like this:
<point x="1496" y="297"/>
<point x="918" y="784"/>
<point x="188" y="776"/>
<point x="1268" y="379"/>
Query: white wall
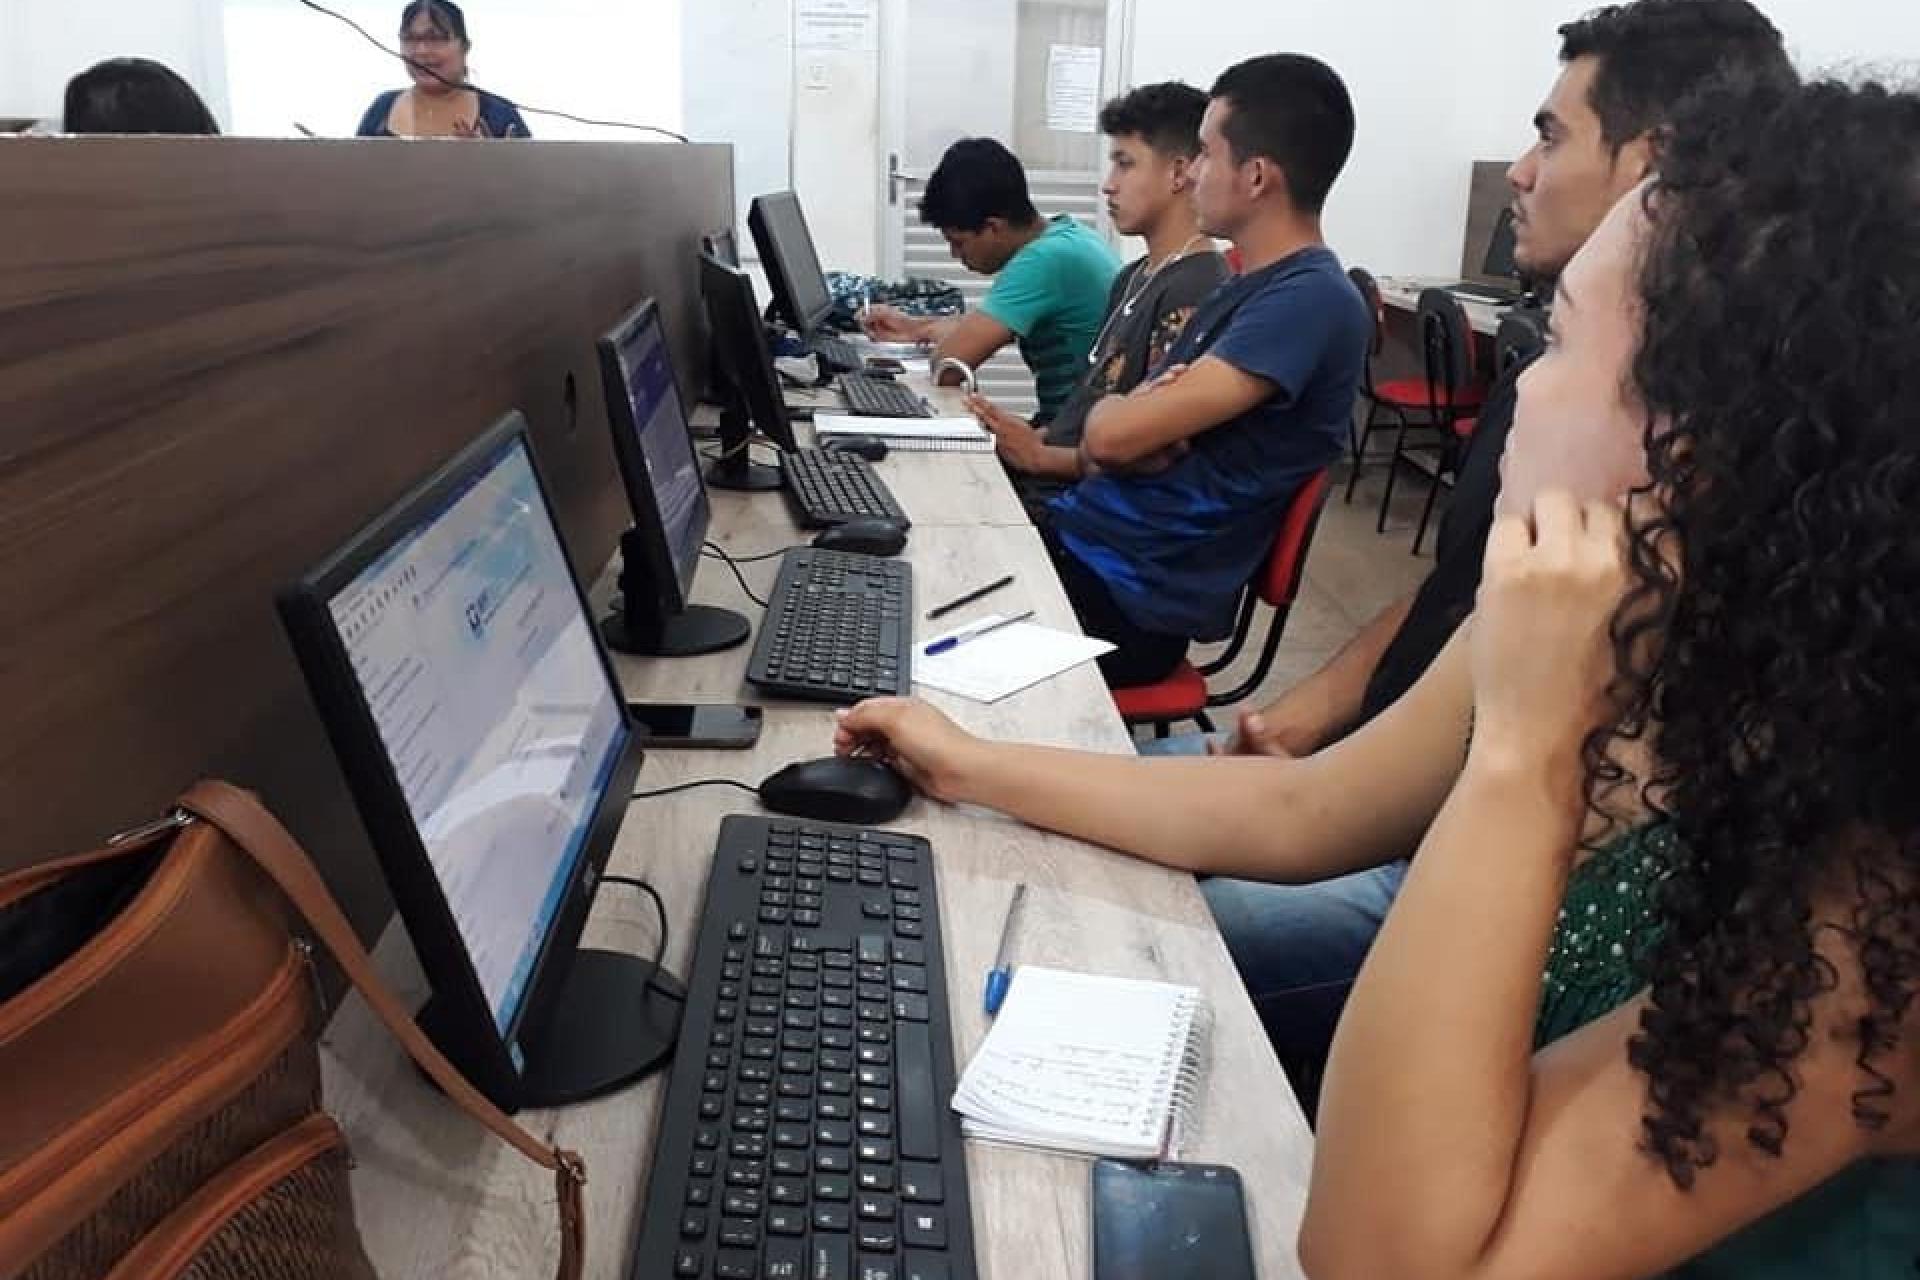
<point x="43" y="43"/>
<point x="1424" y="114"/>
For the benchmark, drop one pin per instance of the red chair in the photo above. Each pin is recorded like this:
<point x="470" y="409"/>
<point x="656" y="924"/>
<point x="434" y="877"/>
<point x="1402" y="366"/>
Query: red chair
<point x="1456" y="389"/>
<point x="1184" y="695"/>
<point x="1404" y="401"/>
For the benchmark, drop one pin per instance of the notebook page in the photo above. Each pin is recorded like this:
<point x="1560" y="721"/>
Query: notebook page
<point x="1080" y="1061"/>
<point x="827" y="425"/>
<point x="1002" y="662"/>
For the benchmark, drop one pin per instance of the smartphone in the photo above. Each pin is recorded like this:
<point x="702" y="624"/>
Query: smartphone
<point x="1169" y="1222"/>
<point x="885" y="365"/>
<point x="684" y="724"/>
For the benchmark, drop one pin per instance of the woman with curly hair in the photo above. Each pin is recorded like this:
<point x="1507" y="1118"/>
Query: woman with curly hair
<point x="1678" y="1031"/>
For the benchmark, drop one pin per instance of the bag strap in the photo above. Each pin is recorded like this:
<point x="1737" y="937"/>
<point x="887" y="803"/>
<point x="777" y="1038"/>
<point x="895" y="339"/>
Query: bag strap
<point x="269" y="844"/>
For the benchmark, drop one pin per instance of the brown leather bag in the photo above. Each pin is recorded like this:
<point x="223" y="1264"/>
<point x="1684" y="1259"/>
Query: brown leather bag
<point x="159" y="1068"/>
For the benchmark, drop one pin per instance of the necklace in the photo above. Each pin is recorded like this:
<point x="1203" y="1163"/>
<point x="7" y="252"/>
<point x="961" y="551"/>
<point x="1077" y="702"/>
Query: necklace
<point x="1134" y="294"/>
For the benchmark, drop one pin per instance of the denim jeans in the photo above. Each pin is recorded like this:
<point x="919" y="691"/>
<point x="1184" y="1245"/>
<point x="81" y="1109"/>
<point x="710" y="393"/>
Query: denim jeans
<point x="1298" y="947"/>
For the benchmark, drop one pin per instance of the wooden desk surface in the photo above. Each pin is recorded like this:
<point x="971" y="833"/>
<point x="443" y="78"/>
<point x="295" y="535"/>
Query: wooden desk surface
<point x="1403" y="294"/>
<point x="439" y="1199"/>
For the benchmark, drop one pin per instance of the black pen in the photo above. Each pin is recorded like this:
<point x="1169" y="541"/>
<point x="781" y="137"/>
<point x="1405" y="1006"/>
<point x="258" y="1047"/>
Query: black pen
<point x="970" y="597"/>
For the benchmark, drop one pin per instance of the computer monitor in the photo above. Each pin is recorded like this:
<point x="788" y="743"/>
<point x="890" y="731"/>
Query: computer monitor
<point x="450" y="653"/>
<point x="751" y="395"/>
<point x="779" y="229"/>
<point x="661" y="552"/>
<point x="722" y="245"/>
<point x="1499" y="262"/>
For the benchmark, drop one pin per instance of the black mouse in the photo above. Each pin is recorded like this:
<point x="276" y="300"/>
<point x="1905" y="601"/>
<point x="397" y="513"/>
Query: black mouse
<point x="863" y="537"/>
<point x="837" y="789"/>
<point x="866" y="446"/>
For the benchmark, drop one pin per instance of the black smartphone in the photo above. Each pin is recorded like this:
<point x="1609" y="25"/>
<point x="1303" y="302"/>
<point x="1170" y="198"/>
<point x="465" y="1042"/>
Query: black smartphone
<point x="686" y="724"/>
<point x="884" y="366"/>
<point x="1169" y="1222"/>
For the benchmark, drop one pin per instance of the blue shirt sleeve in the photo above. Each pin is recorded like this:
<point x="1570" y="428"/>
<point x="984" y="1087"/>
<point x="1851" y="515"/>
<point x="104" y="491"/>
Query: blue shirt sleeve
<point x="503" y="119"/>
<point x="374" y="123"/>
<point x="1023" y="294"/>
<point x="1280" y="336"/>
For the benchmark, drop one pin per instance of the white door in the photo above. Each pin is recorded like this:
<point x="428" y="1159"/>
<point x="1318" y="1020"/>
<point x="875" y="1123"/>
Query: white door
<point x="981" y="69"/>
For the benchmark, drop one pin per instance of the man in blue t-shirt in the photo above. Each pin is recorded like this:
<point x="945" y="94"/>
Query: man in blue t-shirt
<point x="1189" y="475"/>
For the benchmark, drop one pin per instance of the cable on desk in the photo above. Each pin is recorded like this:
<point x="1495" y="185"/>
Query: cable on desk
<point x="738" y="576"/>
<point x="717" y="554"/>
<point x="660" y="946"/>
<point x="713" y="456"/>
<point x="689" y="786"/>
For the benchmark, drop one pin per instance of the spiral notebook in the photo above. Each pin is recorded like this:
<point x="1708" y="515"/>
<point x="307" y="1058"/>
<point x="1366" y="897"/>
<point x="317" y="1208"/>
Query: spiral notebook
<point x="1087" y="1064"/>
<point x="939" y="435"/>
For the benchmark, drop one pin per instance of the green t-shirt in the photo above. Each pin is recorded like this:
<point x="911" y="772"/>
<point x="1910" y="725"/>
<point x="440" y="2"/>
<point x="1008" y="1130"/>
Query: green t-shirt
<point x="1053" y="295"/>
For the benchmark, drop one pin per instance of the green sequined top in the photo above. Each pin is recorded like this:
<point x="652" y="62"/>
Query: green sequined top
<point x="1863" y="1224"/>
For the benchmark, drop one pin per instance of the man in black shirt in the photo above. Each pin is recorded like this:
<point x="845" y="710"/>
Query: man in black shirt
<point x="1154" y="135"/>
<point x="1624" y="68"/>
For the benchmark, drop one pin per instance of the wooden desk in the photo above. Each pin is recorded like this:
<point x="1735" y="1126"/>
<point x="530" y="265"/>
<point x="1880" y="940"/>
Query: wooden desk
<point x="1403" y="294"/>
<point x="437" y="1198"/>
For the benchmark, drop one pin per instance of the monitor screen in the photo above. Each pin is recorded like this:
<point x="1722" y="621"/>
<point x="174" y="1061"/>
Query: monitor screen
<point x="1499" y="262"/>
<point x="741" y="344"/>
<point x="793" y="268"/>
<point x="471" y="653"/>
<point x="655" y="446"/>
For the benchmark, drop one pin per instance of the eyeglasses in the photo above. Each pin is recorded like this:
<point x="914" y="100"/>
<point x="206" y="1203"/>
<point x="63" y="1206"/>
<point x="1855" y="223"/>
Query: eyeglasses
<point x="409" y="39"/>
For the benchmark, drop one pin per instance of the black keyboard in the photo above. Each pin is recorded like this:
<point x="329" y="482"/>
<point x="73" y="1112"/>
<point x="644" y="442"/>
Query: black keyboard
<point x="805" y="1133"/>
<point x="828" y="488"/>
<point x="839" y="628"/>
<point x="881" y="398"/>
<point x="839" y="355"/>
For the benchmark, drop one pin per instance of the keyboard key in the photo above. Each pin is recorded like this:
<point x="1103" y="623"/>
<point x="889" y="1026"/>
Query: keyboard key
<point x="924" y="1228"/>
<point x="830" y="1258"/>
<point x="920" y="1266"/>
<point x="785" y="1258"/>
<point x="921" y="1183"/>
<point x="919" y="1116"/>
<point x="736" y="1266"/>
<point x="687" y="1263"/>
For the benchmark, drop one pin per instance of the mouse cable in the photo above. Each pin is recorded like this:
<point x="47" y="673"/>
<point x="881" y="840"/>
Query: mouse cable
<point x="660" y="946"/>
<point x="689" y="786"/>
<point x="714" y="456"/>
<point x="738" y="576"/>
<point x="717" y="554"/>
<point x="421" y="67"/>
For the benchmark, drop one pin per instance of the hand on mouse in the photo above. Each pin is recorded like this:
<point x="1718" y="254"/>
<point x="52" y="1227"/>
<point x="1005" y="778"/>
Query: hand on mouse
<point x="929" y="750"/>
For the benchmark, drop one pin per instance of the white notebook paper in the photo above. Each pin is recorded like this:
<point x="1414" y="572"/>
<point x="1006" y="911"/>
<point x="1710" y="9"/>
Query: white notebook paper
<point x="1004" y="661"/>
<point x="1082" y="1063"/>
<point x="944" y="435"/>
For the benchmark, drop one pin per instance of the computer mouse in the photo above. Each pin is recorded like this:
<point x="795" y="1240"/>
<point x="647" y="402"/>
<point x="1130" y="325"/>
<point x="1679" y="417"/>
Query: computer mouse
<point x="866" y="446"/>
<point x="863" y="537"/>
<point x="837" y="789"/>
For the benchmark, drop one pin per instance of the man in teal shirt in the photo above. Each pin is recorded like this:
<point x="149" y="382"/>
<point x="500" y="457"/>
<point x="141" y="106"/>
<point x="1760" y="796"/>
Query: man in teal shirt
<point x="1051" y="277"/>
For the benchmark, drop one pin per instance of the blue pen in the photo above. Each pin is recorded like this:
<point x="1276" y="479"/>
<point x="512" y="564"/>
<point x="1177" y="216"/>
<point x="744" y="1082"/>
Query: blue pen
<point x="974" y="633"/>
<point x="1000" y="977"/>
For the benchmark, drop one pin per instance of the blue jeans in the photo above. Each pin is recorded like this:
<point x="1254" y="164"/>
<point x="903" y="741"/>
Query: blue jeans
<point x="1298" y="947"/>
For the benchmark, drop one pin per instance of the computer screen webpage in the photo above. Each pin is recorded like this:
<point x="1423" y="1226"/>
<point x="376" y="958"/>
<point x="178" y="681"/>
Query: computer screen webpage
<point x="806" y="283"/>
<point x="672" y="471"/>
<point x="480" y="669"/>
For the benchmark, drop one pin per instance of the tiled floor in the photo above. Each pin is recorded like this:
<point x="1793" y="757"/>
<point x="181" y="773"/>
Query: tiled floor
<point x="1352" y="573"/>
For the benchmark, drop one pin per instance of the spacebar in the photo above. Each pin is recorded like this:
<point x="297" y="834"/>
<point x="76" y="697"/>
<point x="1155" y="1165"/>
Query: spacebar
<point x="913" y="1075"/>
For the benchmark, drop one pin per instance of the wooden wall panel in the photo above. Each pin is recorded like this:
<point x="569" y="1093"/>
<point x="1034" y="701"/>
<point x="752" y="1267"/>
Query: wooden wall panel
<point x="220" y="357"/>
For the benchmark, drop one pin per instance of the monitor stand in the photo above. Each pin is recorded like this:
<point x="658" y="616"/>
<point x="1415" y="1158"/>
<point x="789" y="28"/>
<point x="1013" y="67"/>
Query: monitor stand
<point x="640" y="625"/>
<point x="615" y="1019"/>
<point x="735" y="468"/>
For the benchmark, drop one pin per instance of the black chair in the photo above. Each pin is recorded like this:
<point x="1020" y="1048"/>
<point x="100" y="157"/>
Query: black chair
<point x="1521" y="335"/>
<point x="1455" y="391"/>
<point x="1402" y="400"/>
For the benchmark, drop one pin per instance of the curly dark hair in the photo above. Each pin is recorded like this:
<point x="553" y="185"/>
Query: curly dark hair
<point x="1774" y="674"/>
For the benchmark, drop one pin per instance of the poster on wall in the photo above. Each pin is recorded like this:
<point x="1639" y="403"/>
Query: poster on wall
<point x="1073" y="88"/>
<point x="845" y="26"/>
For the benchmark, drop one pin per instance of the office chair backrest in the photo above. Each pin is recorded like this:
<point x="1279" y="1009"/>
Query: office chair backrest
<point x="1522" y="335"/>
<point x="1447" y="340"/>
<point x="1370" y="294"/>
<point x="1279" y="580"/>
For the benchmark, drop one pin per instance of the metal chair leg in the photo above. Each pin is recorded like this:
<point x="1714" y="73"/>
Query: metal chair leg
<point x="1364" y="434"/>
<point x="1393" y="469"/>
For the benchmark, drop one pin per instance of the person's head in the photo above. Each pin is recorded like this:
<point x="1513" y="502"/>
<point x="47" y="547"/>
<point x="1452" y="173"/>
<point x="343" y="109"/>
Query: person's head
<point x="134" y="95"/>
<point x="1277" y="132"/>
<point x="977" y="199"/>
<point x="433" y="36"/>
<point x="1625" y="69"/>
<point x="1153" y="136"/>
<point x="1769" y="279"/>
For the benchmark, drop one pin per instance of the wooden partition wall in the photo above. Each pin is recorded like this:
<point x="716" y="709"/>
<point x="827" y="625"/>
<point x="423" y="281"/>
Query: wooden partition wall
<point x="218" y="357"/>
